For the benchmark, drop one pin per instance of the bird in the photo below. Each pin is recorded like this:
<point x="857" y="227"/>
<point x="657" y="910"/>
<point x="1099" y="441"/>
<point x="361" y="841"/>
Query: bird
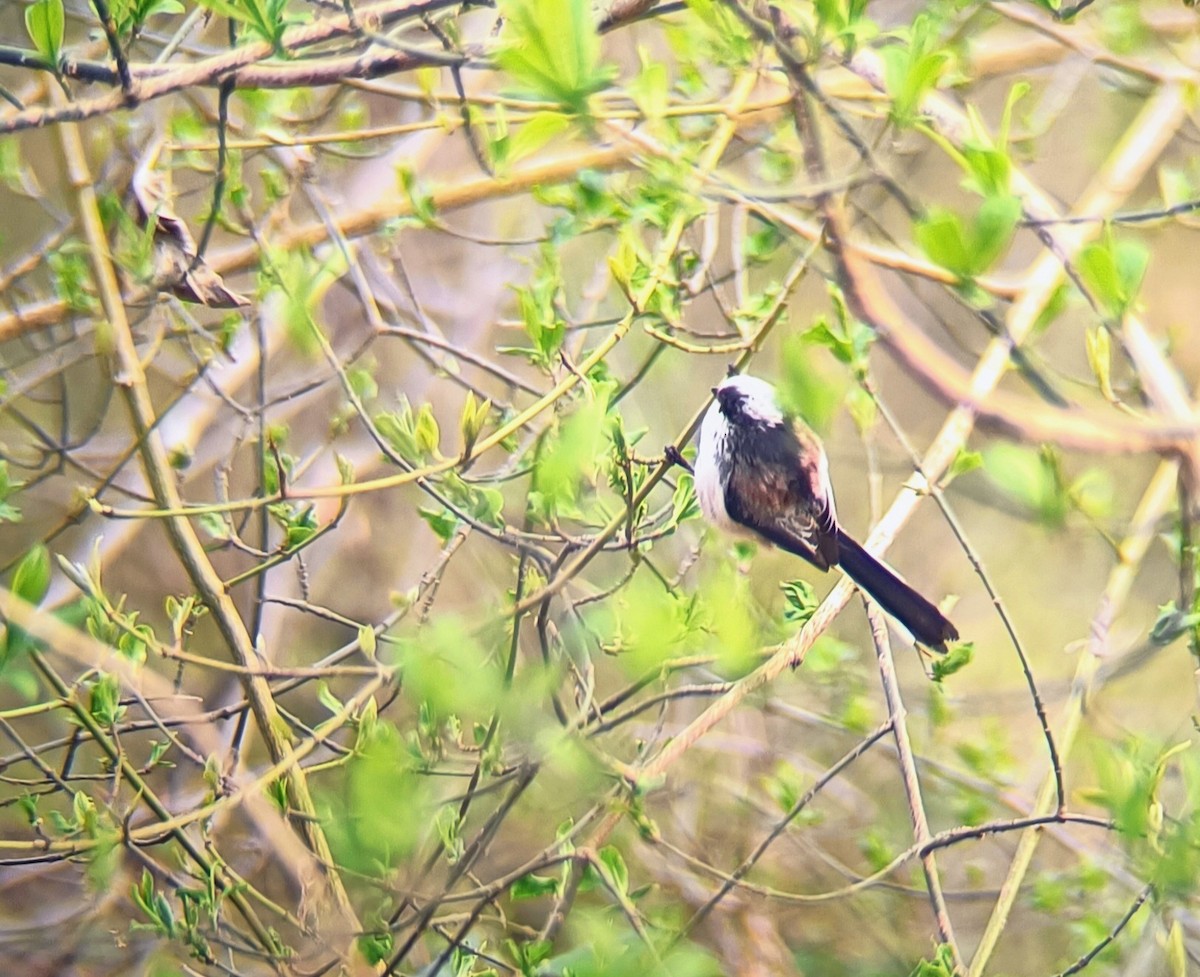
<point x="763" y="472"/>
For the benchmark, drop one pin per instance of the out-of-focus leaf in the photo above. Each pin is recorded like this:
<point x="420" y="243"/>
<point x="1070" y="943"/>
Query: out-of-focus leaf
<point x="31" y="578"/>
<point x="552" y="50"/>
<point x="956" y="660"/>
<point x="45" y="23"/>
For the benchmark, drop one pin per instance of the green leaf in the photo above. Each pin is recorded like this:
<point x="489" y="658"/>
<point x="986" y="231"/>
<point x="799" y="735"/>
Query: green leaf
<point x="1171" y="623"/>
<point x="862" y="409"/>
<point x="801" y="600"/>
<point x="551" y="49"/>
<point x="785" y="786"/>
<point x="941" y="965"/>
<point x="155" y="905"/>
<point x="471" y="423"/>
<point x="650" y="89"/>
<point x="8" y="487"/>
<point x="1031" y="478"/>
<point x="131" y="15"/>
<point x="1092" y="493"/>
<point x="913" y="67"/>
<point x="535" y="132"/>
<point x="447" y="672"/>
<point x="1113" y="270"/>
<point x="725" y="609"/>
<point x="568" y="458"/>
<point x="15" y="176"/>
<point x="684" y="503"/>
<point x="266" y="18"/>
<point x="989" y="169"/>
<point x="132" y="643"/>
<point x="376" y="947"/>
<point x="811" y="385"/>
<point x="714" y="34"/>
<point x="968" y="250"/>
<point x="943" y="238"/>
<point x="427" y="432"/>
<point x="158" y="749"/>
<point x="988" y="755"/>
<point x="44" y="22"/>
<point x="537" y="303"/>
<point x="362" y="382"/>
<point x="31" y="579"/>
<point x="876" y="849"/>
<point x="104" y="701"/>
<point x="368" y="720"/>
<point x="367" y="640"/>
<point x="994" y="227"/>
<point x="1128" y="779"/>
<point x="327" y="698"/>
<point x="964" y="462"/>
<point x="533" y="887"/>
<point x="301" y="280"/>
<point x="225" y="8"/>
<point x="1052" y="309"/>
<point x="298" y="534"/>
<point x="443" y="522"/>
<point x="414" y="436"/>
<point x="763" y="243"/>
<point x="846" y="21"/>
<point x="420" y="200"/>
<point x="614" y="863"/>
<point x="1123" y="27"/>
<point x="957" y="659"/>
<point x="345" y="469"/>
<point x="487" y="505"/>
<point x="449" y="830"/>
<point x="149" y="8"/>
<point x="1176" y="185"/>
<point x="215" y="525"/>
<point x="529" y="954"/>
<point x="849" y="340"/>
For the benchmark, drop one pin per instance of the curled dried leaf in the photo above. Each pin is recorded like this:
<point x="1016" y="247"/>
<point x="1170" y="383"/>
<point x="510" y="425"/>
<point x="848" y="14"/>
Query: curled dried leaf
<point x="177" y="268"/>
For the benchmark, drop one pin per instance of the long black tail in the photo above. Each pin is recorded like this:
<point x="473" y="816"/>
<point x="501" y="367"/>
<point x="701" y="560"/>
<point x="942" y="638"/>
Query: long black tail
<point x="927" y="624"/>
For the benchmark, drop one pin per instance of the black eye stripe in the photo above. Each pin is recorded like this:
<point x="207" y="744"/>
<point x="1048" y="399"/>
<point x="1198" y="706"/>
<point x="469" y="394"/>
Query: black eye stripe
<point x="730" y="401"/>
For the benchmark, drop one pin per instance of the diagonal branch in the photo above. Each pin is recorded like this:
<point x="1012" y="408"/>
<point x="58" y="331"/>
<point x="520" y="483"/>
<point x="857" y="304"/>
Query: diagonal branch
<point x="897" y="714"/>
<point x="146" y="83"/>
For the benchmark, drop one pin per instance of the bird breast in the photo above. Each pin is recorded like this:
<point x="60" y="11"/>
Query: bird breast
<point x="712" y="471"/>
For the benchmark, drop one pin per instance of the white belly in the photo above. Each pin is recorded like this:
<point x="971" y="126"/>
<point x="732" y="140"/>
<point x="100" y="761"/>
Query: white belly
<point x="710" y="491"/>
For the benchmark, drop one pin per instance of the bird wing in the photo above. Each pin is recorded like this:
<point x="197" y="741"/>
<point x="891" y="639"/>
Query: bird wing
<point x="787" y="504"/>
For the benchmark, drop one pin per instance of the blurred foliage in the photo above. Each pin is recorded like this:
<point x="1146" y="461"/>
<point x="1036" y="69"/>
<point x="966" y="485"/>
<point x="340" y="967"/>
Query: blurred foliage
<point x="366" y="623"/>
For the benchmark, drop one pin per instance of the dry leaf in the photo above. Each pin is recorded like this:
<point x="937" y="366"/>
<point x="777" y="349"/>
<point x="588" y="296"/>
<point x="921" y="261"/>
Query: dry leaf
<point x="176" y="268"/>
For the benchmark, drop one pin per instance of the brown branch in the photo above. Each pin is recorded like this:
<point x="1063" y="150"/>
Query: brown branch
<point x="734" y="878"/>
<point x="912" y="783"/>
<point x="355" y="223"/>
<point x="1156" y="499"/>
<point x="1111" y="935"/>
<point x="151" y="82"/>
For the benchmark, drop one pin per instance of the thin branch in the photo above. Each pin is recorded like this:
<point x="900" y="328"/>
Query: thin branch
<point x="130" y="378"/>
<point x="898" y="717"/>
<point x="1111" y="936"/>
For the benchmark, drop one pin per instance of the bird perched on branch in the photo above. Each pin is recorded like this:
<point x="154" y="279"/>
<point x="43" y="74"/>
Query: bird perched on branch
<point x="762" y="472"/>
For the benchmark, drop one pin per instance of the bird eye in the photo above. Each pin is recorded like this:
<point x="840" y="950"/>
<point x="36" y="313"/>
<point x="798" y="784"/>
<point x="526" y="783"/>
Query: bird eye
<point x="730" y="401"/>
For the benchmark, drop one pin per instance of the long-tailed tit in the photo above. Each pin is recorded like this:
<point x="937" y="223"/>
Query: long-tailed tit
<point x="762" y="472"/>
